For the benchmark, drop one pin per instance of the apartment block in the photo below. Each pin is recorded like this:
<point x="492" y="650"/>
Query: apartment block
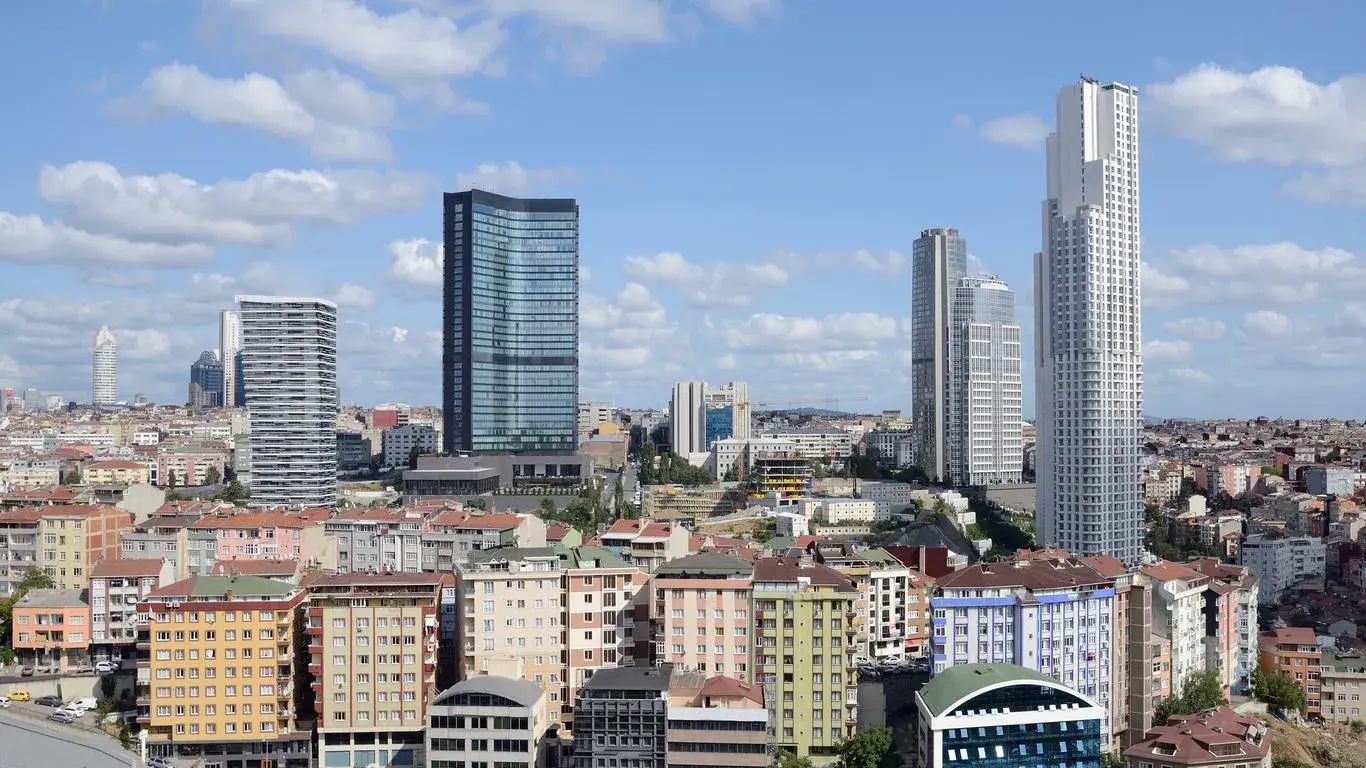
<point x="882" y="581"/>
<point x="805" y="640"/>
<point x="373" y="648"/>
<point x="646" y="543"/>
<point x="75" y="537"/>
<point x="116" y="588"/>
<point x="18" y="546"/>
<point x="51" y="628"/>
<point x="487" y="720"/>
<point x="717" y="722"/>
<point x="237" y="534"/>
<point x="218" y="677"/>
<point x="451" y="535"/>
<point x="600" y="595"/>
<point x="166" y="537"/>
<point x="699" y="615"/>
<point x="1295" y="650"/>
<point x="1343" y="683"/>
<point x="187" y="466"/>
<point x="379" y="539"/>
<point x="838" y="511"/>
<point x="1230" y="621"/>
<point x="116" y="472"/>
<point x="1280" y="561"/>
<point x="1179" y="616"/>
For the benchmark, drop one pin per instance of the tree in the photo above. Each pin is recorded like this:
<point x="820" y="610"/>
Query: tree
<point x="233" y="492"/>
<point x="618" y="494"/>
<point x="477" y="504"/>
<point x="1278" y="689"/>
<point x="35" y="578"/>
<point x="213" y="476"/>
<point x="548" y="508"/>
<point x="788" y="759"/>
<point x="1202" y="691"/>
<point x="869" y="748"/>
<point x="630" y="510"/>
<point x="1108" y="760"/>
<point x="170" y="479"/>
<point x="647" y="464"/>
<point x="73" y="477"/>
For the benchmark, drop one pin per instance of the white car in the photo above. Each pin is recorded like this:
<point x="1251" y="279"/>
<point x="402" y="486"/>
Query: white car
<point x="105" y="667"/>
<point x="85" y="705"/>
<point x="159" y="762"/>
<point x="73" y="712"/>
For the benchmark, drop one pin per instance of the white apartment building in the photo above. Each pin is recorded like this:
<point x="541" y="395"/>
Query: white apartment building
<point x="817" y="444"/>
<point x="1280" y="561"/>
<point x="725" y="456"/>
<point x="1088" y="328"/>
<point x="688" y="418"/>
<point x="886" y="590"/>
<point x="592" y="416"/>
<point x="1178" y="614"/>
<point x="889" y="497"/>
<point x="939" y="260"/>
<point x="887" y="442"/>
<point x="289" y="360"/>
<point x="229" y="344"/>
<point x="838" y="511"/>
<point x="104" y="370"/>
<point x="399" y="443"/>
<point x="985" y="417"/>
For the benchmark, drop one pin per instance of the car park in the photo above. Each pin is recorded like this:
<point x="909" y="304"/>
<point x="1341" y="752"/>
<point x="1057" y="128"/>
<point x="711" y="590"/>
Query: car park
<point x="75" y="712"/>
<point x="19" y="696"/>
<point x="48" y="701"/>
<point x="62" y="716"/>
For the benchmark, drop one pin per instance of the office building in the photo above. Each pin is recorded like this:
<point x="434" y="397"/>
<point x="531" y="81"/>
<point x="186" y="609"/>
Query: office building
<point x="510" y="355"/>
<point x="688" y="418"/>
<point x="1280" y="561"/>
<point x="939" y="260"/>
<point x="699" y="615"/>
<point x="1005" y="715"/>
<point x="487" y="720"/>
<point x="373" y="640"/>
<point x="206" y="381"/>
<point x="1088" y="328"/>
<point x="221" y="681"/>
<point x="728" y="412"/>
<point x="622" y="717"/>
<point x="717" y="722"/>
<point x="229" y="347"/>
<point x="32" y="401"/>
<point x="104" y="371"/>
<point x="401" y="442"/>
<point x="1221" y="738"/>
<point x="289" y="360"/>
<point x="353" y="451"/>
<point x="985" y="417"/>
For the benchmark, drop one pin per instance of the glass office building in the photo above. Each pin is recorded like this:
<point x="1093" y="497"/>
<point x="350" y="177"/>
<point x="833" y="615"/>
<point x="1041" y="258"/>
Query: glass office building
<point x="720" y="424"/>
<point x="510" y="327"/>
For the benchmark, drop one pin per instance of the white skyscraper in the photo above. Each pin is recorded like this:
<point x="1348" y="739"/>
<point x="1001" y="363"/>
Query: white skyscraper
<point x="984" y="421"/>
<point x="1088" y="333"/>
<point x="289" y="361"/>
<point x="104" y="369"/>
<point x="939" y="260"/>
<point x="688" y="418"/>
<point x="229" y="344"/>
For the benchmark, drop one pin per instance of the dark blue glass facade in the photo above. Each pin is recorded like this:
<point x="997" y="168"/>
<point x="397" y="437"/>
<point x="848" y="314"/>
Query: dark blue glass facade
<point x="1060" y="744"/>
<point x="720" y="424"/>
<point x="510" y="324"/>
<point x="206" y="381"/>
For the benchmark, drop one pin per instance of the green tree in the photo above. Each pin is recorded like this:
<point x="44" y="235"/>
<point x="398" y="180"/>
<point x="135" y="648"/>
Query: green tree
<point x="630" y="510"/>
<point x="647" y="464"/>
<point x="1202" y="691"/>
<point x="618" y="494"/>
<point x="73" y="477"/>
<point x="787" y="759"/>
<point x="1278" y="689"/>
<point x="548" y="510"/>
<point x="869" y="748"/>
<point x="477" y="504"/>
<point x="213" y="476"/>
<point x="234" y="492"/>
<point x="170" y="478"/>
<point x="35" y="578"/>
<point x="1108" y="760"/>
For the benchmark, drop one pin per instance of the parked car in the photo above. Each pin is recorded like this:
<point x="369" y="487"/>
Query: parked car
<point x="159" y="762"/>
<point x="26" y="671"/>
<point x="18" y="696"/>
<point x="75" y="712"/>
<point x="48" y="701"/>
<point x="85" y="705"/>
<point x="105" y="667"/>
<point x="62" y="716"/>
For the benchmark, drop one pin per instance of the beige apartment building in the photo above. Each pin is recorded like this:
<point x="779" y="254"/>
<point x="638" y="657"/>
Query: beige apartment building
<point x="74" y="538"/>
<point x="117" y="472"/>
<point x="373" y="650"/>
<point x="699" y="613"/>
<point x="600" y="596"/>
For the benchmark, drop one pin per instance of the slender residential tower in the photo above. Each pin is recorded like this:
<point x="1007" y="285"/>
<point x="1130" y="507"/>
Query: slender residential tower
<point x="229" y="344"/>
<point x="104" y="370"/>
<point x="939" y="260"/>
<point x="289" y="361"/>
<point x="1089" y="340"/>
<point x="985" y="446"/>
<point x="510" y="325"/>
<point x="688" y="418"/>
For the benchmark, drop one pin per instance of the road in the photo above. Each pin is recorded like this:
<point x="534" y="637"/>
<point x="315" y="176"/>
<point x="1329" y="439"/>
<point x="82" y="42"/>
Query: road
<point x="30" y="743"/>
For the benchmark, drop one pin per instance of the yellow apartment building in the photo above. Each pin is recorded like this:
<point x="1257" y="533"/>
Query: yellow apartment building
<point x="117" y="472"/>
<point x="73" y="538"/>
<point x="219" y="680"/>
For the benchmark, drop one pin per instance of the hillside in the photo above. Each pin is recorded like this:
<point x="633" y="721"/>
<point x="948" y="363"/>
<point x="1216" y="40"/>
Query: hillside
<point x="1317" y="746"/>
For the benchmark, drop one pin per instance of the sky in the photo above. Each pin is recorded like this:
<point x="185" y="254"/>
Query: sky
<point x="750" y="174"/>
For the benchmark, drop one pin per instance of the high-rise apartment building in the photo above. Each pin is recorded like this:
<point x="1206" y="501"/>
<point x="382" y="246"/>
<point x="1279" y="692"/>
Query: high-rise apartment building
<point x="510" y="332"/>
<point x="373" y="641"/>
<point x="688" y="418"/>
<point x="104" y="369"/>
<point x="939" y="260"/>
<point x="699" y="615"/>
<point x="985" y="418"/>
<point x="229" y="345"/>
<point x="206" y="381"/>
<point x="1088" y="328"/>
<point x="599" y="601"/>
<point x="289" y="359"/>
<point x="221" y="681"/>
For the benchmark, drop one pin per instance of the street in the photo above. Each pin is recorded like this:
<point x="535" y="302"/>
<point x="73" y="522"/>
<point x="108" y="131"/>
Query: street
<point x="32" y="743"/>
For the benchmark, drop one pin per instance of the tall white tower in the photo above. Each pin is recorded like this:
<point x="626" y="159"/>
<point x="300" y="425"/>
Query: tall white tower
<point x="289" y="360"/>
<point x="229" y="344"/>
<point x="939" y="259"/>
<point x="1088" y="331"/>
<point x="688" y="418"/>
<point x="104" y="370"/>
<point x="985" y="446"/>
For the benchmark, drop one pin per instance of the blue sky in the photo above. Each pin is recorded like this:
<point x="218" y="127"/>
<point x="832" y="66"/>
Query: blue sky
<point x="751" y="174"/>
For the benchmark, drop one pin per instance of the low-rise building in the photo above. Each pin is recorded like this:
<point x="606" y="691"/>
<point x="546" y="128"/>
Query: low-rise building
<point x="401" y="442"/>
<point x="116" y="587"/>
<point x="117" y="472"/>
<point x="188" y="465"/>
<point x="166" y="537"/>
<point x="52" y="628"/>
<point x="838" y="511"/>
<point x="1330" y="480"/>
<point x="645" y="543"/>
<point x="1279" y="561"/>
<point x="717" y="722"/>
<point x="487" y="720"/>
<point x="451" y="535"/>
<point x="1218" y="739"/>
<point x="1295" y="651"/>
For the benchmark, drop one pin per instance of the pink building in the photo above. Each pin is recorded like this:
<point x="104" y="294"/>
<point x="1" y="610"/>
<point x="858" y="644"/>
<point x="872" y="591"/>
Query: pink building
<point x="266" y="535"/>
<point x="1231" y="636"/>
<point x="189" y="465"/>
<point x="699" y="613"/>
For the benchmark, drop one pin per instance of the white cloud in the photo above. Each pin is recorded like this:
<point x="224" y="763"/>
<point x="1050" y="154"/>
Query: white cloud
<point x="771" y="333"/>
<point x="670" y="268"/>
<point x="633" y="307"/>
<point x="143" y="344"/>
<point x="1026" y="131"/>
<point x="1158" y="349"/>
<point x="726" y="362"/>
<point x="585" y="275"/>
<point x="1196" y="328"/>
<point x="416" y="261"/>
<point x="616" y="21"/>
<point x="889" y="263"/>
<point x="333" y="115"/>
<point x="352" y="296"/>
<point x="252" y="211"/>
<point x="1343" y="186"/>
<point x="512" y="179"/>
<point x="1190" y="376"/>
<point x="1266" y="322"/>
<point x="614" y="358"/>
<point x="1272" y="115"/>
<point x="742" y="11"/>
<point x="710" y="284"/>
<point x="30" y="239"/>
<point x="1275" y="273"/>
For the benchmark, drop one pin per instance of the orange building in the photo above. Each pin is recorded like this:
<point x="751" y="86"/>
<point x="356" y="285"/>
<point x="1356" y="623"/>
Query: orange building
<point x="1294" y="650"/>
<point x="72" y="539"/>
<point x="52" y="628"/>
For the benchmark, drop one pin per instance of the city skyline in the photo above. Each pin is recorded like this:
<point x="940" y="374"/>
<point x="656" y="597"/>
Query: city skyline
<point x="114" y="213"/>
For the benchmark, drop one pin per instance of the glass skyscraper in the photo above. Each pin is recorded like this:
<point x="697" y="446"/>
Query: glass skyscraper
<point x="510" y="327"/>
<point x="206" y="381"/>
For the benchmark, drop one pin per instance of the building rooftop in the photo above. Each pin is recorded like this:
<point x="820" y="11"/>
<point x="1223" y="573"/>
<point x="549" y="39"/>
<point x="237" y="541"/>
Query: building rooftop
<point x="592" y="557"/>
<point x="126" y="568"/>
<point x="505" y="554"/>
<point x="115" y="464"/>
<point x="267" y="567"/>
<point x="22" y="515"/>
<point x="631" y="679"/>
<point x="524" y="692"/>
<point x="53" y="598"/>
<point x="1032" y="574"/>
<point x="956" y="683"/>
<point x="1290" y="636"/>
<point x="705" y="564"/>
<point x="225" y="586"/>
<point x="1220" y="737"/>
<point x="362" y="579"/>
<point x="794" y="569"/>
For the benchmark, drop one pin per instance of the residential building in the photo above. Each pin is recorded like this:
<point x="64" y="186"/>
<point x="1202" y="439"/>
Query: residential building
<point x="592" y="416"/>
<point x="645" y="543"/>
<point x="984" y="403"/>
<point x="220" y="681"/>
<point x="76" y="537"/>
<point x="1295" y="651"/>
<point x="263" y="535"/>
<point x="166" y="537"/>
<point x="353" y="451"/>
<point x="377" y="539"/>
<point x="512" y="618"/>
<point x="52" y="628"/>
<point x="1088" y="328"/>
<point x="1230" y="621"/>
<point x="884" y="599"/>
<point x="717" y="721"/>
<point x="31" y="473"/>
<point x="116" y="588"/>
<point x="206" y="381"/>
<point x="104" y="370"/>
<point x="622" y="718"/>
<point x="1279" y="561"/>
<point x="189" y="465"/>
<point x="400" y="442"/>
<point x="891" y="498"/>
<point x="1343" y="683"/>
<point x="825" y="445"/>
<point x="229" y="353"/>
<point x="18" y="546"/>
<point x="488" y="720"/>
<point x="939" y="260"/>
<point x="1330" y="480"/>
<point x="834" y="511"/>
<point x="1221" y="738"/>
<point x="116" y="472"/>
<point x="510" y="381"/>
<point x="599" y="614"/>
<point x="688" y="418"/>
<point x="1007" y="715"/>
<point x="805" y="628"/>
<point x="451" y="535"/>
<point x="699" y="616"/>
<point x="885" y="444"/>
<point x="1179" y="615"/>
<point x="373" y="642"/>
<point x="1233" y="478"/>
<point x="289" y="361"/>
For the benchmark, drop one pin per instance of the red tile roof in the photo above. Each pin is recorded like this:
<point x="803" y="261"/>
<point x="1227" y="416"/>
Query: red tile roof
<point x="1290" y="636"/>
<point x="126" y="568"/>
<point x="1106" y="565"/>
<point x="114" y="464"/>
<point x="84" y="510"/>
<point x="1217" y="737"/>
<point x="1165" y="570"/>
<point x="728" y="687"/>
<point x="623" y="527"/>
<point x="54" y="494"/>
<point x="789" y="569"/>
<point x="361" y="578"/>
<point x="493" y="521"/>
<point x="1034" y="574"/>
<point x="556" y="532"/>
<point x="22" y="515"/>
<point x="262" y="519"/>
